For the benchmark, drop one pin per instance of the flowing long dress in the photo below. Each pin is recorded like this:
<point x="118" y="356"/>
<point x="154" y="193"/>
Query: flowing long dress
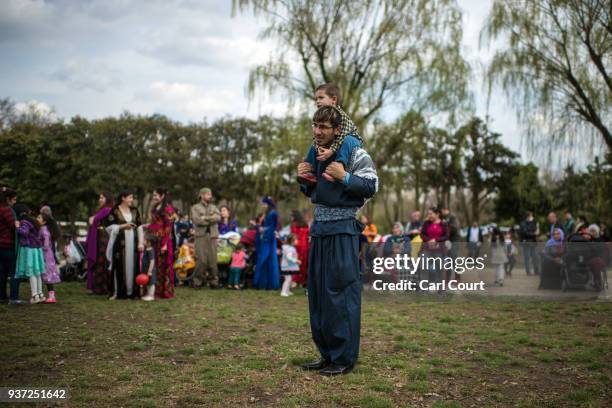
<point x="301" y="233"/>
<point x="124" y="253"/>
<point x="51" y="275"/>
<point x="267" y="273"/>
<point x="161" y="226"/>
<point x="97" y="264"/>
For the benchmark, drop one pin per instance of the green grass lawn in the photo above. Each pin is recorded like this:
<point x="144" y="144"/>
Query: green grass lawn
<point x="227" y="348"/>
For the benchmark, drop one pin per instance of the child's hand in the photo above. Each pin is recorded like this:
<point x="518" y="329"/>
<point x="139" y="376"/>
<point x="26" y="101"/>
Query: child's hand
<point x="17" y="224"/>
<point x="304" y="168"/>
<point x="140" y="248"/>
<point x="149" y="274"/>
<point x="324" y="154"/>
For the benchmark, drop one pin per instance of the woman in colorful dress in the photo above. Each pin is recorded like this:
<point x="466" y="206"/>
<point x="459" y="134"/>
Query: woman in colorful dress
<point x="97" y="241"/>
<point x="122" y="248"/>
<point x="161" y="226"/>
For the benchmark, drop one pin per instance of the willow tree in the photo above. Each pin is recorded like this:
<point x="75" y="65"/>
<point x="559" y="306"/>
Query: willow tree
<point x="555" y="65"/>
<point x="404" y="51"/>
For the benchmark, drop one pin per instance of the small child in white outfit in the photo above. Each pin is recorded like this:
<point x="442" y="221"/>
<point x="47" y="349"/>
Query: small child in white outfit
<point x="290" y="264"/>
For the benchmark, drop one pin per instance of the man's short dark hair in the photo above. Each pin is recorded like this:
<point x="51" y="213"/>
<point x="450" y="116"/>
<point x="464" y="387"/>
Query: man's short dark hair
<point x="328" y="114"/>
<point x="331" y="90"/>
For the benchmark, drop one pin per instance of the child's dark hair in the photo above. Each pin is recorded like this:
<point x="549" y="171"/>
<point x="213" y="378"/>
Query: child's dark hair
<point x="24" y="212"/>
<point x="52" y="226"/>
<point x="290" y="239"/>
<point x="331" y="90"/>
<point x="151" y="238"/>
<point x="328" y="114"/>
<point x="240" y="246"/>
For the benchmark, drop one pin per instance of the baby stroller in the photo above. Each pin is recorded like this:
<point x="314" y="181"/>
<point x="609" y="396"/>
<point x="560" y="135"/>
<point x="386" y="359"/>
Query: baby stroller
<point x="73" y="268"/>
<point x="576" y="271"/>
<point x="225" y="247"/>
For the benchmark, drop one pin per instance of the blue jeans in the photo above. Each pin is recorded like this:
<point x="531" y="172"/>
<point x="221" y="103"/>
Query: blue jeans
<point x="7" y="269"/>
<point x="530" y="256"/>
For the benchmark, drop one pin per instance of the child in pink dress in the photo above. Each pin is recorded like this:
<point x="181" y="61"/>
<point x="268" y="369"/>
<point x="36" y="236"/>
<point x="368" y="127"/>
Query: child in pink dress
<point x="51" y="233"/>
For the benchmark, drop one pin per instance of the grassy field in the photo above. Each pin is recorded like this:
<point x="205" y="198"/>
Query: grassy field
<point x="227" y="348"/>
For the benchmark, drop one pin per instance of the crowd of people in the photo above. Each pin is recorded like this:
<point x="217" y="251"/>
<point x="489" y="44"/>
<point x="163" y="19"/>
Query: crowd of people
<point x="128" y="258"/>
<point x="183" y="248"/>
<point x="440" y="236"/>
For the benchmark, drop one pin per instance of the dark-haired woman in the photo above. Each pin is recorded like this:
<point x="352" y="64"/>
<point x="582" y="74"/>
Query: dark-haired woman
<point x="161" y="226"/>
<point x="300" y="229"/>
<point x="97" y="241"/>
<point x="267" y="272"/>
<point x="122" y="248"/>
<point x="51" y="234"/>
<point x="226" y="223"/>
<point x="435" y="233"/>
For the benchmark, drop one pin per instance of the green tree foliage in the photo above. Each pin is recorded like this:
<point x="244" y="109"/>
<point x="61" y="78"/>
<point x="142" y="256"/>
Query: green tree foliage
<point x="555" y="64"/>
<point x="486" y="165"/>
<point x="524" y="192"/>
<point x="376" y="51"/>
<point x="66" y="165"/>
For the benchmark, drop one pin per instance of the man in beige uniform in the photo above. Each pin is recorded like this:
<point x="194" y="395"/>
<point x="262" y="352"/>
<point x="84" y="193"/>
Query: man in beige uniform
<point x="205" y="216"/>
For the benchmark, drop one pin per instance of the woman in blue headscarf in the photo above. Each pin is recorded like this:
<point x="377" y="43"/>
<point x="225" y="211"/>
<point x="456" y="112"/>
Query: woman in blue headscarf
<point x="267" y="274"/>
<point x="552" y="255"/>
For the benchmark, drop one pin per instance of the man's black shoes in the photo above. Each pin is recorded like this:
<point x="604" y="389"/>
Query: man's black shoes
<point x="334" y="369"/>
<point x="315" y="365"/>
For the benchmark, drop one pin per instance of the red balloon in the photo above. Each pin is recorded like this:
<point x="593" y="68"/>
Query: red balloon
<point x="142" y="279"/>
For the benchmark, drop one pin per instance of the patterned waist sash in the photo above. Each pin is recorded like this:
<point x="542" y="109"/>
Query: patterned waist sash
<point x="323" y="213"/>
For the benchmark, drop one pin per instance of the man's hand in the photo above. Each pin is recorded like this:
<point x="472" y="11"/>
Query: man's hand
<point x="304" y="168"/>
<point x="324" y="154"/>
<point x="335" y="170"/>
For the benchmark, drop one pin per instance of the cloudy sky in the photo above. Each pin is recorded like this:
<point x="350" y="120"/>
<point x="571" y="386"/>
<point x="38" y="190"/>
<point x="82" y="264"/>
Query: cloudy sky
<point x="188" y="59"/>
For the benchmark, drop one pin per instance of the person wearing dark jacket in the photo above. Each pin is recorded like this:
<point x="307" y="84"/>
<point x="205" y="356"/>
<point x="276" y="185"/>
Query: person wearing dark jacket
<point x="8" y="244"/>
<point x="528" y="233"/>
<point x="553" y="224"/>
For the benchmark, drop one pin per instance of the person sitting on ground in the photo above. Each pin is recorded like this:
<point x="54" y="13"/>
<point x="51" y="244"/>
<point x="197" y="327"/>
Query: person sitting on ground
<point x="552" y="258"/>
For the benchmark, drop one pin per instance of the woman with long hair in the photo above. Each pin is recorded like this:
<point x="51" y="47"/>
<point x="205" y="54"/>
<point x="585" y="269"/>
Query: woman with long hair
<point x="226" y="223"/>
<point x="267" y="273"/>
<point x="161" y="227"/>
<point x="122" y="248"/>
<point x="97" y="241"/>
<point x="435" y="233"/>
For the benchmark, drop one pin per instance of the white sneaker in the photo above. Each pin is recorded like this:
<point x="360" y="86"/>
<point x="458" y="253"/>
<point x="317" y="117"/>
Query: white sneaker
<point x="148" y="298"/>
<point x="285" y="294"/>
